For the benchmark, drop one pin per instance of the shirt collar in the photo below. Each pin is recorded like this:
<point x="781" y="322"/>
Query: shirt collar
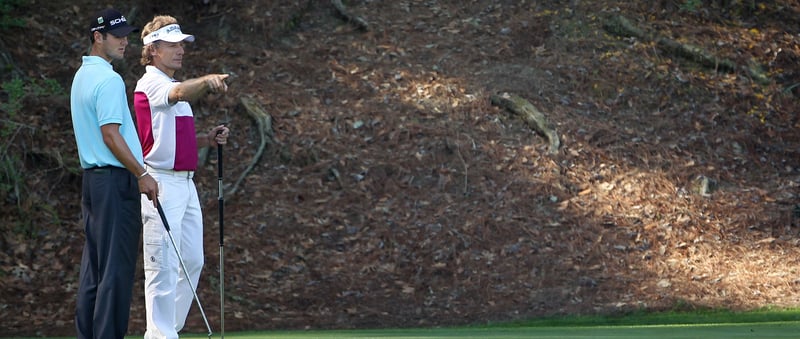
<point x="154" y="69"/>
<point x="95" y="60"/>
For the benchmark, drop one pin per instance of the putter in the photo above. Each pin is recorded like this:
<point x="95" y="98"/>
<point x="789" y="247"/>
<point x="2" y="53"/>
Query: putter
<point x="180" y="259"/>
<point x="221" y="203"/>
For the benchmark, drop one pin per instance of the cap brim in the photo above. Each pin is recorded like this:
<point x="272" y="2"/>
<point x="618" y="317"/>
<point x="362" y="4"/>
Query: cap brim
<point x="178" y="38"/>
<point x="122" y="31"/>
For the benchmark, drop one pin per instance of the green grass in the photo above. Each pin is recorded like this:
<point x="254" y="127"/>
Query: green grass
<point x="754" y="330"/>
<point x="764" y="323"/>
<point x="702" y="316"/>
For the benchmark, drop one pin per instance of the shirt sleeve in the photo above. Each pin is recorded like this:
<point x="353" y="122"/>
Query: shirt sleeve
<point x="112" y="101"/>
<point x="157" y="92"/>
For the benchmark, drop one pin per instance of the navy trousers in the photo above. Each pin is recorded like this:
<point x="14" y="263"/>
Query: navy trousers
<point x="112" y="221"/>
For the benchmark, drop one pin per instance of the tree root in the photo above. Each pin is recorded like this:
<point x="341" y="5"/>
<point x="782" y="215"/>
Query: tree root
<point x="534" y="118"/>
<point x="359" y="22"/>
<point x="264" y="123"/>
<point x="621" y="26"/>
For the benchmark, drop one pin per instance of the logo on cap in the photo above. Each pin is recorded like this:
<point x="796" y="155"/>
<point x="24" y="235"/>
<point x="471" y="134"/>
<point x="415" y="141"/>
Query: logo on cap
<point x="118" y="21"/>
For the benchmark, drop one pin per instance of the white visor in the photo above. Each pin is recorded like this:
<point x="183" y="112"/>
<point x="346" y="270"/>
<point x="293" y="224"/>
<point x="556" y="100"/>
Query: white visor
<point x="168" y="33"/>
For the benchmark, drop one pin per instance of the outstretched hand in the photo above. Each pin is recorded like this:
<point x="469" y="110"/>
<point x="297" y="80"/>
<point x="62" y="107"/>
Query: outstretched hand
<point x="216" y="82"/>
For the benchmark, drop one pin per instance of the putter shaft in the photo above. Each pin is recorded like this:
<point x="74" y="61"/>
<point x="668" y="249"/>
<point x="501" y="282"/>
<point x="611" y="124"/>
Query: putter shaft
<point x="221" y="202"/>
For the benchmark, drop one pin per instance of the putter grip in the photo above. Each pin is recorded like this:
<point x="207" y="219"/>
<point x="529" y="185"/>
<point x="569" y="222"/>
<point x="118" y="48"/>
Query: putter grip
<point x="161" y="214"/>
<point x="219" y="160"/>
<point x="220" y="197"/>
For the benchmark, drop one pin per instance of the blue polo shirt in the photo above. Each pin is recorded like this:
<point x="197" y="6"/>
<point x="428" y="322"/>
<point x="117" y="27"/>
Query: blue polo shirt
<point x="98" y="98"/>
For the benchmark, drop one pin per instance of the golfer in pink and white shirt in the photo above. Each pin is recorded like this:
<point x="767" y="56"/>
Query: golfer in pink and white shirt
<point x="170" y="144"/>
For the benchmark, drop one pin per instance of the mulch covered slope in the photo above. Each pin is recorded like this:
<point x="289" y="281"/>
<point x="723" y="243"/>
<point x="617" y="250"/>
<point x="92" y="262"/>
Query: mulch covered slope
<point x="394" y="194"/>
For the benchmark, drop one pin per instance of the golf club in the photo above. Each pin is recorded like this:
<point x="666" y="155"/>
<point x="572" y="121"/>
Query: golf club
<point x="183" y="266"/>
<point x="221" y="202"/>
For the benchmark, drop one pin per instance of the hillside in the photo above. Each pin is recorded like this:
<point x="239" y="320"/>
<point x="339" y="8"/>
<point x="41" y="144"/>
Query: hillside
<point x="393" y="193"/>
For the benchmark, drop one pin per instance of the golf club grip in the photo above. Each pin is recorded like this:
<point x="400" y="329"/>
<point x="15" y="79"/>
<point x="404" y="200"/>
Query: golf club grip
<point x="220" y="197"/>
<point x="162" y="215"/>
<point x="219" y="162"/>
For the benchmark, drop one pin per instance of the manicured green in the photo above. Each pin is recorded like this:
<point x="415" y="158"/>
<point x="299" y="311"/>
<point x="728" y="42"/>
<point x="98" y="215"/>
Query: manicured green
<point x="764" y="323"/>
<point x="756" y="330"/>
<point x="702" y="316"/>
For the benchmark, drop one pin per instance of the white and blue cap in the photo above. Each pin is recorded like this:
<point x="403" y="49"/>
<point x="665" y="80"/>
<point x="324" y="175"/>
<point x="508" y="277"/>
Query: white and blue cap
<point x="168" y="33"/>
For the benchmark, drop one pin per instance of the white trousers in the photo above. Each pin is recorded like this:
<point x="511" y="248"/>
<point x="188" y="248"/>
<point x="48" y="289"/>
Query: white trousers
<point x="166" y="290"/>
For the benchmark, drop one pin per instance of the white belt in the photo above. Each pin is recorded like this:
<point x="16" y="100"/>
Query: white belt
<point x="182" y="174"/>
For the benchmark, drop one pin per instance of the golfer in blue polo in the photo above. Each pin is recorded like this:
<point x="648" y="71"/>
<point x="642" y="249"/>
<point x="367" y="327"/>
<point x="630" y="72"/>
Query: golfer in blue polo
<point x="113" y="179"/>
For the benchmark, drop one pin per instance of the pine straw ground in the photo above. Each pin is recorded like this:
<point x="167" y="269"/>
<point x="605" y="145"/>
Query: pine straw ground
<point x="394" y="194"/>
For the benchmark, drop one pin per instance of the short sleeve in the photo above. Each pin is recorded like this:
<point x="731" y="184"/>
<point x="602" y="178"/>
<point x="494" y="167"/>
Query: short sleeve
<point x="111" y="101"/>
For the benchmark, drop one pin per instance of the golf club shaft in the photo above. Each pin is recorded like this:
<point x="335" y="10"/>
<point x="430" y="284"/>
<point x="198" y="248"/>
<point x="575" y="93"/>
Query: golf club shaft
<point x="183" y="266"/>
<point x="222" y="293"/>
<point x="221" y="202"/>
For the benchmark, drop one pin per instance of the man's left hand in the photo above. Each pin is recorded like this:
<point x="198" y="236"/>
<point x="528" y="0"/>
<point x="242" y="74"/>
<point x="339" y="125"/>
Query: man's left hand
<point x="218" y="136"/>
